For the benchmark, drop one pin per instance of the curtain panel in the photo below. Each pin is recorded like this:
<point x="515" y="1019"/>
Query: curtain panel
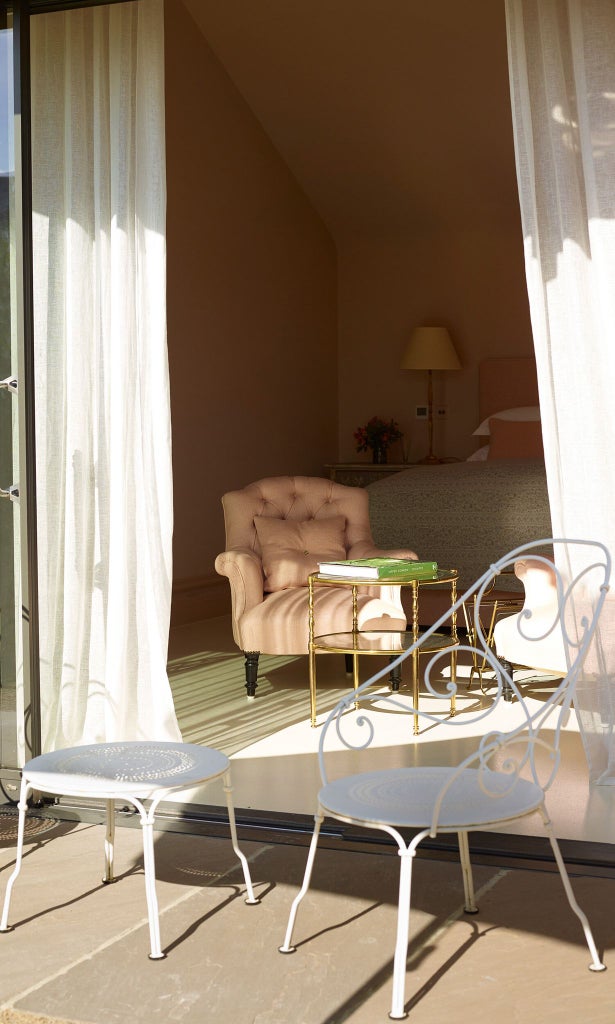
<point x="562" y="78"/>
<point x="103" y="438"/>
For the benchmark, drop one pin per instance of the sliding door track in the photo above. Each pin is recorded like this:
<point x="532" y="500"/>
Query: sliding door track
<point x="500" y="849"/>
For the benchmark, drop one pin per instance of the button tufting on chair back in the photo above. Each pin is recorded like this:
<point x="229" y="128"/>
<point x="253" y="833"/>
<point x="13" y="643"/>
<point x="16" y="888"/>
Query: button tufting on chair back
<point x="297" y="498"/>
<point x="277" y="622"/>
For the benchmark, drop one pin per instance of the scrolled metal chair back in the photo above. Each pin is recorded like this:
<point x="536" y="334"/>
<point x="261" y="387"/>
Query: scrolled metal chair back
<point x="531" y="744"/>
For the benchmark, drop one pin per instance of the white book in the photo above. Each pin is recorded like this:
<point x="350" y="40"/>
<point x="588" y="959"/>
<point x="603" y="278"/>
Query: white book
<point x="378" y="568"/>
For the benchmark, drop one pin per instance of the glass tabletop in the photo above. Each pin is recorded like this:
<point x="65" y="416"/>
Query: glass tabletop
<point x="440" y="576"/>
<point x="381" y="641"/>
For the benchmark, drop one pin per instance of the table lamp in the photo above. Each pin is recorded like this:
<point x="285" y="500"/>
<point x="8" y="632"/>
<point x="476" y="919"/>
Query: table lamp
<point x="430" y="348"/>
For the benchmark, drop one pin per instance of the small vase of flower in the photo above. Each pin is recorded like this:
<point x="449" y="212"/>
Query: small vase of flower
<point x="376" y="436"/>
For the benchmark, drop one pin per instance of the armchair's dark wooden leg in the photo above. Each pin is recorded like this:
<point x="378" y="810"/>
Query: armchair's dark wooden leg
<point x="507" y="692"/>
<point x="251" y="671"/>
<point x="348" y="661"/>
<point x="395" y="675"/>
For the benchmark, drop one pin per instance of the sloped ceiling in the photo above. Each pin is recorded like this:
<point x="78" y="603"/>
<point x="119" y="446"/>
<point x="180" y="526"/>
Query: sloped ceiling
<point x="393" y="115"/>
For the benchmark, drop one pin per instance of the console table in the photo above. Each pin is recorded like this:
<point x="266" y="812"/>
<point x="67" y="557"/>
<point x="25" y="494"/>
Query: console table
<point x="360" y="474"/>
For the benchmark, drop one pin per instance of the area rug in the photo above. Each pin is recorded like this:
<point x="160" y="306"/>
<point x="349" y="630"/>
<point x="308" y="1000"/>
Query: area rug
<point x="35" y="825"/>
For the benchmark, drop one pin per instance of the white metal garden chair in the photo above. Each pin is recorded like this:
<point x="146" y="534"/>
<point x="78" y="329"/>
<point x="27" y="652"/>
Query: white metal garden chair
<point x="505" y="773"/>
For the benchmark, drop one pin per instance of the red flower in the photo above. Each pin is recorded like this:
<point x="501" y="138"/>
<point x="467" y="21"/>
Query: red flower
<point x="377" y="433"/>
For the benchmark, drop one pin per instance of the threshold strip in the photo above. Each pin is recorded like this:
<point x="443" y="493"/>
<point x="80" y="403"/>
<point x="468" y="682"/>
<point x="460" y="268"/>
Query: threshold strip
<point x="487" y="848"/>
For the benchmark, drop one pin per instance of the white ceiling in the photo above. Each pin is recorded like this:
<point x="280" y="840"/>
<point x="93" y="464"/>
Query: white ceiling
<point x="394" y="115"/>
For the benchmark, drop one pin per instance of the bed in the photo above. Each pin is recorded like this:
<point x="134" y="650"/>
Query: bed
<point x="466" y="514"/>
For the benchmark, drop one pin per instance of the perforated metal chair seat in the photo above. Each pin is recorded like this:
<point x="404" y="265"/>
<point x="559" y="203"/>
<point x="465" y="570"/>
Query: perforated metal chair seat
<point x="142" y="769"/>
<point x="405" y="798"/>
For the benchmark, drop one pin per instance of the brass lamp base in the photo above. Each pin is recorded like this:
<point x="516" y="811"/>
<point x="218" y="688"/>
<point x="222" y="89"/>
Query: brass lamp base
<point x="430" y="460"/>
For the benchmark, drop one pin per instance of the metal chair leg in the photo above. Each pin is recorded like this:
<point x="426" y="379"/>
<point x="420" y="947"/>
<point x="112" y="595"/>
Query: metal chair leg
<point x="596" y="964"/>
<point x="24" y="793"/>
<point x="228" y="789"/>
<point x="149" y="865"/>
<point x="109" y="876"/>
<point x="466" y="870"/>
<point x="287" y="946"/>
<point x="507" y="692"/>
<point x="401" y="943"/>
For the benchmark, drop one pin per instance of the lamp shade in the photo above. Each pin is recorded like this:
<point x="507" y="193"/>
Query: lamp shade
<point x="430" y="348"/>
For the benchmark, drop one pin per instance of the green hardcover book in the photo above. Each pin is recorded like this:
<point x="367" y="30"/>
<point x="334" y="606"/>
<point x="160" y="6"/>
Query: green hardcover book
<point x="379" y="568"/>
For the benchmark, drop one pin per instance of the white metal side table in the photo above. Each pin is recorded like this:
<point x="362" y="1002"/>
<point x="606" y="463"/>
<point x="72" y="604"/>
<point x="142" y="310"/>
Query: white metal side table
<point x="140" y="773"/>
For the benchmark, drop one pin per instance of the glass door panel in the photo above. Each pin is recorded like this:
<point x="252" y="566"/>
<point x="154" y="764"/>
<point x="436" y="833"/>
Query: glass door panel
<point x="10" y="625"/>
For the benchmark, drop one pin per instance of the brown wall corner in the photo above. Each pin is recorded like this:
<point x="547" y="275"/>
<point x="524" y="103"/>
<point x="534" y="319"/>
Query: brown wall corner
<point x="202" y="597"/>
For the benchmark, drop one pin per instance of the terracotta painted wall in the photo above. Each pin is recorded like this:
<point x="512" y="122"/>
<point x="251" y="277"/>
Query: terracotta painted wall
<point x="278" y="348"/>
<point x="252" y="294"/>
<point x="472" y="282"/>
<point x="457" y="262"/>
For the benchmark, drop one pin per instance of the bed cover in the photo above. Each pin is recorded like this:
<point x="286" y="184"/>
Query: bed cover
<point x="464" y="515"/>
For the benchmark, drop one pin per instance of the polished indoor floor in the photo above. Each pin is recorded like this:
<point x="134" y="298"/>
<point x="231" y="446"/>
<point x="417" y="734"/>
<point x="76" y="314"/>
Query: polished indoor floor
<point x="273" y="748"/>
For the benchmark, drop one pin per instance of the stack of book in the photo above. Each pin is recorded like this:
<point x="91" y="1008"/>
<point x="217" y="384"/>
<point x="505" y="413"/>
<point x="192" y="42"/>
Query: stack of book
<point x="378" y="569"/>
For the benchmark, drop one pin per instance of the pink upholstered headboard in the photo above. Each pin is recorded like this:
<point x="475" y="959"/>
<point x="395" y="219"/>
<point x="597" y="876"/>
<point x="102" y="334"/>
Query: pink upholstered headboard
<point x="505" y="383"/>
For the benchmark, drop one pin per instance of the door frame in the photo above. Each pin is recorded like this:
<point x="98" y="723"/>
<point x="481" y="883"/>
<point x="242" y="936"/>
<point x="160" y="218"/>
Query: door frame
<point x="22" y="307"/>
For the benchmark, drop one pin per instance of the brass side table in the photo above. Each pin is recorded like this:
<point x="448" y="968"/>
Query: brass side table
<point x="388" y="642"/>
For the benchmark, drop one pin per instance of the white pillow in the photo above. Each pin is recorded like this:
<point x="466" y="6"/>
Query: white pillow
<point x="480" y="455"/>
<point x="524" y="412"/>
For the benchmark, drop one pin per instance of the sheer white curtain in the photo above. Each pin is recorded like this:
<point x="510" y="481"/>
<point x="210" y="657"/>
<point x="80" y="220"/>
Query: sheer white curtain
<point x="104" y="487"/>
<point x="562" y="73"/>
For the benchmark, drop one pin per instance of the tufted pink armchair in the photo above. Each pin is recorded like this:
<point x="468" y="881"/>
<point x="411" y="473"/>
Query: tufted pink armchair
<point x="277" y="529"/>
